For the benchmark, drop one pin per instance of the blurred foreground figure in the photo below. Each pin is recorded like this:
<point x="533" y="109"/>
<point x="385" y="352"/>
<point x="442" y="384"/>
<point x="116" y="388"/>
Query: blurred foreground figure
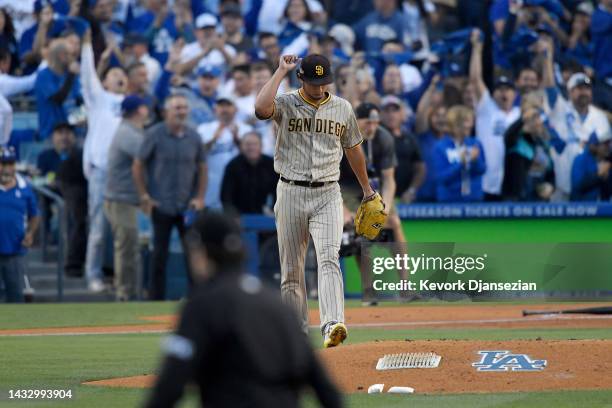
<point x="235" y="338"/>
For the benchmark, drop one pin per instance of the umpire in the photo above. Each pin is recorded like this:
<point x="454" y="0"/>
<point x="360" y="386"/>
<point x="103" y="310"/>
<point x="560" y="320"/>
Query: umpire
<point x="235" y="339"/>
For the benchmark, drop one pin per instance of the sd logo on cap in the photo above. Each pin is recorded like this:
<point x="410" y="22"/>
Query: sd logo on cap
<point x="315" y="69"/>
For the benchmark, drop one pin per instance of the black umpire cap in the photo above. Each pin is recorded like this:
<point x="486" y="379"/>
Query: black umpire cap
<point x="220" y="235"/>
<point x="315" y="69"/>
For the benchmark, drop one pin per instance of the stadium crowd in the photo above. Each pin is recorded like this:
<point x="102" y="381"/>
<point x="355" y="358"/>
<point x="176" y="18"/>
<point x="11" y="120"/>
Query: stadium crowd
<point x="150" y="103"/>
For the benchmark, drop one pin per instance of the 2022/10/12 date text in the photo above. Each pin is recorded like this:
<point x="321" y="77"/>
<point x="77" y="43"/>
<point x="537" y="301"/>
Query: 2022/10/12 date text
<point x="39" y="394"/>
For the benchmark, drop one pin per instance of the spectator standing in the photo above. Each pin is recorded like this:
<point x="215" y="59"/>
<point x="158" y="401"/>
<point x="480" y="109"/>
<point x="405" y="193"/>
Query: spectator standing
<point x="10" y="85"/>
<point x="574" y="120"/>
<point x="161" y="28"/>
<point x="591" y="170"/>
<point x="249" y="181"/>
<point x="135" y="49"/>
<point x="233" y="27"/>
<point x="410" y="170"/>
<point x="527" y="81"/>
<point x="385" y="23"/>
<point x="459" y="162"/>
<point x="209" y="49"/>
<point x="48" y="162"/>
<point x="17" y="204"/>
<point x="410" y="76"/>
<point x="528" y="172"/>
<point x="202" y="100"/>
<point x="139" y="84"/>
<point x="121" y="198"/>
<point x="33" y="39"/>
<point x="261" y="74"/>
<point x="270" y="50"/>
<point x="172" y="156"/>
<point x="427" y="141"/>
<point x="417" y="14"/>
<point x="430" y="126"/>
<point x="269" y="14"/>
<point x="297" y="22"/>
<point x="221" y="140"/>
<point x="103" y="102"/>
<point x="493" y="116"/>
<point x="348" y="11"/>
<point x="243" y="93"/>
<point x="201" y="96"/>
<point x="249" y="322"/>
<point x="56" y="88"/>
<point x="579" y="45"/>
<point x="72" y="185"/>
<point x="601" y="36"/>
<point x="8" y="41"/>
<point x="381" y="161"/>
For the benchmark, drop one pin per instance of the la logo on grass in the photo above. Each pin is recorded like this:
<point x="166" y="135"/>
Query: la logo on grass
<point x="504" y="360"/>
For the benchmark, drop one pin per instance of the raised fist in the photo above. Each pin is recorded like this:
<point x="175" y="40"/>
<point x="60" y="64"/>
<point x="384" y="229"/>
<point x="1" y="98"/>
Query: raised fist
<point x="288" y="62"/>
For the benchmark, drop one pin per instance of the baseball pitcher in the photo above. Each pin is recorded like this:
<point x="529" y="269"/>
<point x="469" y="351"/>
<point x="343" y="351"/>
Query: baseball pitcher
<point x="314" y="129"/>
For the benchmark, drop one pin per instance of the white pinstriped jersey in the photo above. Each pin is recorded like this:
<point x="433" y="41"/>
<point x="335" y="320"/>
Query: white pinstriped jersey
<point x="310" y="139"/>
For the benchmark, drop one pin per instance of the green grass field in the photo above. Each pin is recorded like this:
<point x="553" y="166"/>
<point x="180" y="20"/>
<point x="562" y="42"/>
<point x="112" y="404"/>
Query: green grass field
<point x="64" y="362"/>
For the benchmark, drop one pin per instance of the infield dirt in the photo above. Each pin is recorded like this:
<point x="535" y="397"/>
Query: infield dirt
<point x="571" y="365"/>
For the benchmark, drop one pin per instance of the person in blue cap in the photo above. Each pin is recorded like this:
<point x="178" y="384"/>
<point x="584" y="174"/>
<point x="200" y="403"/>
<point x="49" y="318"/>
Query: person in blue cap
<point x="17" y="203"/>
<point x="591" y="175"/>
<point x="121" y="197"/>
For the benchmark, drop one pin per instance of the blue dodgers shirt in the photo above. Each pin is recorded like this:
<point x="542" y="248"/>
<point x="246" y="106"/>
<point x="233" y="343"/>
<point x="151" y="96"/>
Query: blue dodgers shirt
<point x="50" y="113"/>
<point x="601" y="34"/>
<point x="427" y="141"/>
<point x="455" y="182"/>
<point x="16" y="206"/>
<point x="374" y="30"/>
<point x="586" y="184"/>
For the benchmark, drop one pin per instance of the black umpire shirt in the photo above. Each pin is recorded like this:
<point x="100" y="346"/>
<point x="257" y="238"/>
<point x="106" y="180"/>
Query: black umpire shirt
<point x="242" y="347"/>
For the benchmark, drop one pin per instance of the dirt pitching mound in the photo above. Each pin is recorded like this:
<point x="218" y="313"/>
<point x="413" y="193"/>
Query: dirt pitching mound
<point x="571" y="364"/>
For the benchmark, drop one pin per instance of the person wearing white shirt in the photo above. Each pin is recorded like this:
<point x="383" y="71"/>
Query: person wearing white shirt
<point x="416" y="23"/>
<point x="241" y="88"/>
<point x="574" y="121"/>
<point x="209" y="49"/>
<point x="494" y="114"/>
<point x="410" y="76"/>
<point x="261" y="74"/>
<point x="10" y="85"/>
<point x="103" y="105"/>
<point x="221" y="139"/>
<point x="271" y="12"/>
<point x="136" y="50"/>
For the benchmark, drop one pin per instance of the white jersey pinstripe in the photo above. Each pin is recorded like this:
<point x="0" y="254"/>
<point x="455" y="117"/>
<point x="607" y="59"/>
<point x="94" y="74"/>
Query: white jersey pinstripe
<point x="309" y="147"/>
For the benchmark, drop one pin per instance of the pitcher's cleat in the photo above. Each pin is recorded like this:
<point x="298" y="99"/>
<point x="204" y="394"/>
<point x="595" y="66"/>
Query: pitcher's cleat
<point x="335" y="334"/>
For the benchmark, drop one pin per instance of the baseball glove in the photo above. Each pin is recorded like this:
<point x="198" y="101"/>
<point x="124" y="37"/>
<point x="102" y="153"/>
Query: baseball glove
<point x="371" y="216"/>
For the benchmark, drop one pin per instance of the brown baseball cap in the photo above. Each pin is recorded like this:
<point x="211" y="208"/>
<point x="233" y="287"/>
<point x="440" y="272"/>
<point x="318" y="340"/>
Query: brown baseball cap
<point x="315" y="69"/>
